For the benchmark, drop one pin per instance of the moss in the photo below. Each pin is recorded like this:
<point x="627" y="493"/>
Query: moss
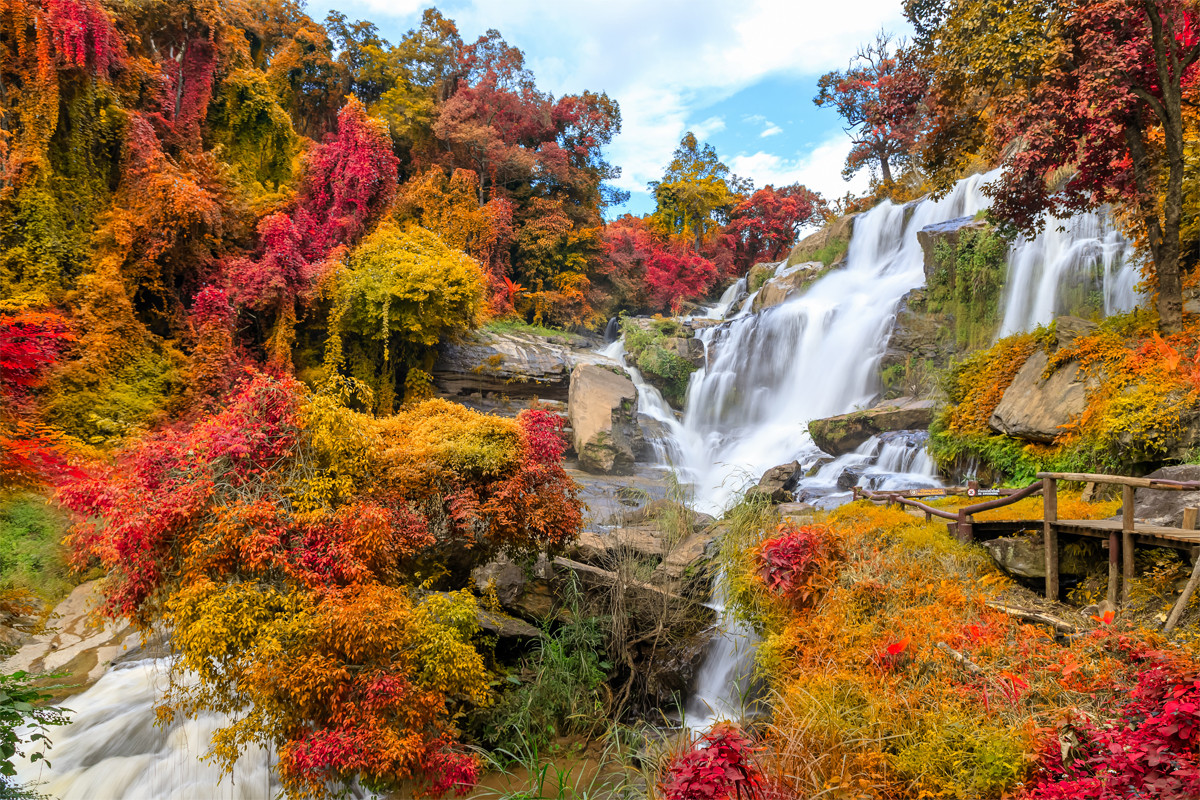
<point x="668" y="371"/>
<point x="519" y="326"/>
<point x="833" y="251"/>
<point x="967" y="282"/>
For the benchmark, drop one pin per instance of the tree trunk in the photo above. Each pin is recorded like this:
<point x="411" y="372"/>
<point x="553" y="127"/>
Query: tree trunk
<point x="1170" y="67"/>
<point x="885" y="169"/>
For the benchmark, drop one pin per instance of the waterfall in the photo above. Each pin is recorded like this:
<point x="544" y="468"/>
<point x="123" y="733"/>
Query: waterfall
<point x="112" y="749"/>
<point x="811" y="357"/>
<point x="1077" y="264"/>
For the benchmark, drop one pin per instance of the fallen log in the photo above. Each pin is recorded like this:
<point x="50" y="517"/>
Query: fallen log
<point x="1028" y="615"/>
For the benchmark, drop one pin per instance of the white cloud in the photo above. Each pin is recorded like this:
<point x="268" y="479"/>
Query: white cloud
<point x="771" y="130"/>
<point x="819" y="169"/>
<point x="665" y="60"/>
<point x="708" y="127"/>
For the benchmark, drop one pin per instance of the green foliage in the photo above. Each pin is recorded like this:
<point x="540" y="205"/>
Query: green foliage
<point x="520" y="326"/>
<point x="401" y="292"/>
<point x="963" y="757"/>
<point x="830" y="254"/>
<point x="21" y="707"/>
<point x="104" y="405"/>
<point x="557" y="691"/>
<point x="967" y="282"/>
<point x="665" y="369"/>
<point x="759" y="274"/>
<point x="32" y="555"/>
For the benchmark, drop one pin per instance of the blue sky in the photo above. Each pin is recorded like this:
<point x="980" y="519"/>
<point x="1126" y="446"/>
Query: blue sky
<point x="741" y="75"/>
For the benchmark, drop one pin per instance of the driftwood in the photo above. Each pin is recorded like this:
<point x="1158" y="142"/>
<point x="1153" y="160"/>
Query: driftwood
<point x="1028" y="615"/>
<point x="963" y="661"/>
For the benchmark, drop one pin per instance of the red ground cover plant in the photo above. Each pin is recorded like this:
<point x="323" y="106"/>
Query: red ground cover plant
<point x="720" y="766"/>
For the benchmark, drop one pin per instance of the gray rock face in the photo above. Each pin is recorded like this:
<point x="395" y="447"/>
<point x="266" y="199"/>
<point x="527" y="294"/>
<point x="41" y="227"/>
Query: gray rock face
<point x="844" y="433"/>
<point x="602" y="407"/>
<point x="1025" y="557"/>
<point x="1034" y="408"/>
<point x="513" y="364"/>
<point x="1157" y="507"/>
<point x="791" y="282"/>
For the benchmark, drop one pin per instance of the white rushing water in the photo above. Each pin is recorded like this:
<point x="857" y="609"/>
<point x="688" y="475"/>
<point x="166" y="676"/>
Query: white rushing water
<point x="817" y="355"/>
<point x="113" y="751"/>
<point x="1080" y="261"/>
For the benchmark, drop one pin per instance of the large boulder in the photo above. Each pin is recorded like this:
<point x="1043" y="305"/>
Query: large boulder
<point x="602" y="407"/>
<point x="778" y="483"/>
<point x="844" y="433"/>
<point x="513" y="364"/>
<point x="789" y="282"/>
<point x="1158" y="507"/>
<point x="1036" y="408"/>
<point x="833" y="237"/>
<point x="1025" y="557"/>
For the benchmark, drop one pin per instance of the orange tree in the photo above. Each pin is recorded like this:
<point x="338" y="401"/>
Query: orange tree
<point x="279" y="540"/>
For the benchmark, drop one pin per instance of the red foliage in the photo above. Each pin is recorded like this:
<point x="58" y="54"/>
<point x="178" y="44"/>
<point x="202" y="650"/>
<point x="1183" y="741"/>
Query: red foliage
<point x="1147" y="749"/>
<point x="1086" y="109"/>
<point x="792" y="563"/>
<point x="82" y="34"/>
<point x="213" y="362"/>
<point x="763" y="226"/>
<point x="881" y="96"/>
<point x="30" y="343"/>
<point x="651" y="274"/>
<point x="720" y="767"/>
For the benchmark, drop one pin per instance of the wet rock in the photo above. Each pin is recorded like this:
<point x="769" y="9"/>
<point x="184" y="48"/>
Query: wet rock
<point x="512" y="364"/>
<point x="1035" y="408"/>
<point x="604" y="548"/>
<point x="1025" y="557"/>
<point x="602" y="408"/>
<point x="672" y="679"/>
<point x="788" y="283"/>
<point x="1157" y="507"/>
<point x="504" y="626"/>
<point x="844" y="433"/>
<point x="850" y="477"/>
<point x="778" y="483"/>
<point x="920" y="344"/>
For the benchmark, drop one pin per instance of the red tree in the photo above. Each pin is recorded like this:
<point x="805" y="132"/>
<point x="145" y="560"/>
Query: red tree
<point x="763" y="226"/>
<point x="881" y="97"/>
<point x="649" y="273"/>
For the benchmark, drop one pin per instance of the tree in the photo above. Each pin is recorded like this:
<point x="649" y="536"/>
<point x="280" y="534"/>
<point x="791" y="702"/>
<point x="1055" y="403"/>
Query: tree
<point x="279" y="539"/>
<point x="650" y="272"/>
<point x="880" y="96"/>
<point x="696" y="194"/>
<point x="763" y="226"/>
<point x="1095" y="96"/>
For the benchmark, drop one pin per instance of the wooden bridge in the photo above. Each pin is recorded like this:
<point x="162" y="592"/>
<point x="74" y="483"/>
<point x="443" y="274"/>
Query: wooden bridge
<point x="1120" y="536"/>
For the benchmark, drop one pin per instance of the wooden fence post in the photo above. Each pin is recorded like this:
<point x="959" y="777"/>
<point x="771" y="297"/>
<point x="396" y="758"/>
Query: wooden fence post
<point x="1127" y="527"/>
<point x="1050" y="535"/>
<point x="1189" y="518"/>
<point x="1114" y="566"/>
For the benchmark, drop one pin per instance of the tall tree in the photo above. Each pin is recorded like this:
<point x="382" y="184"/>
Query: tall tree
<point x="697" y="192"/>
<point x="1101" y="102"/>
<point x="881" y="98"/>
<point x="764" y="225"/>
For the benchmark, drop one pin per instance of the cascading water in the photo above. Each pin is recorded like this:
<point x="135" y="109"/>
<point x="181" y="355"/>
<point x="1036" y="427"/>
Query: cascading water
<point x="1077" y="263"/>
<point x="112" y="749"/>
<point x="769" y="374"/>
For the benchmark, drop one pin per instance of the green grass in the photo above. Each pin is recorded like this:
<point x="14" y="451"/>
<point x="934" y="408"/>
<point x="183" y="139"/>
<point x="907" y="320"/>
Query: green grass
<point x="511" y="325"/>
<point x="32" y="555"/>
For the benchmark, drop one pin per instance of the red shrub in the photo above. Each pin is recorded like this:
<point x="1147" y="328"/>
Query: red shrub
<point x="721" y="766"/>
<point x="792" y="564"/>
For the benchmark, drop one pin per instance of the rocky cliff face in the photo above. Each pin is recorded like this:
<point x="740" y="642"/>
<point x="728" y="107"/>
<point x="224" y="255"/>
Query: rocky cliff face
<point x="521" y="365"/>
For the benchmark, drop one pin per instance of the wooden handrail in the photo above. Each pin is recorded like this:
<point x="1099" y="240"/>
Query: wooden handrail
<point x="1121" y="480"/>
<point x="999" y="502"/>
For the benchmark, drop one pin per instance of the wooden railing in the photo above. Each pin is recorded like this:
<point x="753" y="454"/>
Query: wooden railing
<point x="1120" y="542"/>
